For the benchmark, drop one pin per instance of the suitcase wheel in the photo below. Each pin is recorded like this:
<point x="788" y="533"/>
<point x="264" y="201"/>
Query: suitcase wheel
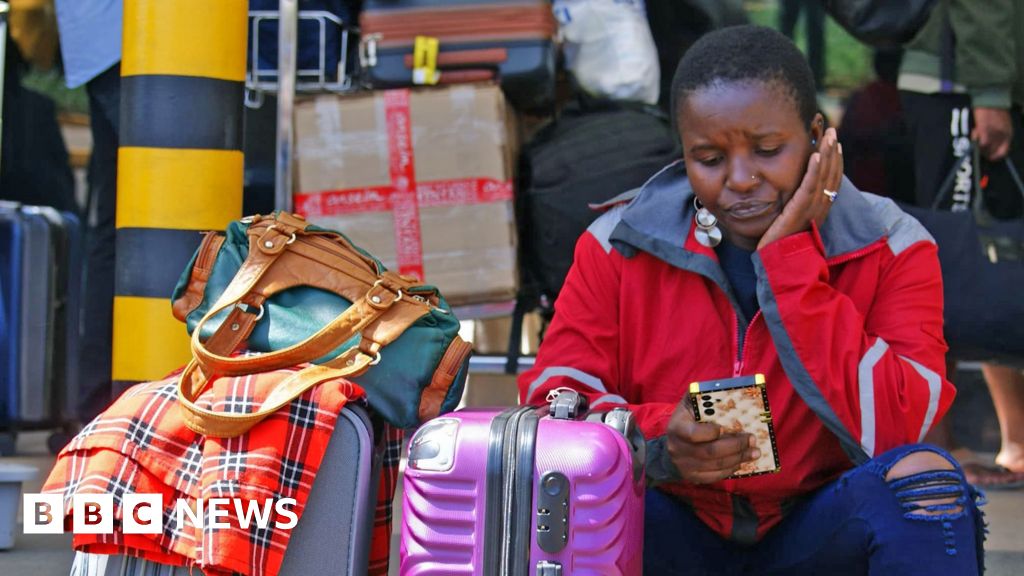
<point x="8" y="441"/>
<point x="57" y="441"/>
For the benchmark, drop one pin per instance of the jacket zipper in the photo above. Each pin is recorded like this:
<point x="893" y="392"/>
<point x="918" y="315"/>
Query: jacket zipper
<point x="738" y="365"/>
<point x="741" y="352"/>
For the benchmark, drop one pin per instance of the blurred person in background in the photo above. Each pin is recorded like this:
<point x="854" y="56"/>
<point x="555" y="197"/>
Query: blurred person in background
<point x="34" y="164"/>
<point x="814" y="27"/>
<point x="962" y="79"/>
<point x="872" y="133"/>
<point x="90" y="37"/>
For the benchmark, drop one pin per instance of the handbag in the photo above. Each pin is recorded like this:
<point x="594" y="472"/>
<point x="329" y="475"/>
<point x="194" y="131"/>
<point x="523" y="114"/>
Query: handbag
<point x="881" y="23"/>
<point x="300" y="293"/>
<point x="982" y="270"/>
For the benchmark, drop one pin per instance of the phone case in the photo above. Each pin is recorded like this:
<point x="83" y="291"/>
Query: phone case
<point x="739" y="405"/>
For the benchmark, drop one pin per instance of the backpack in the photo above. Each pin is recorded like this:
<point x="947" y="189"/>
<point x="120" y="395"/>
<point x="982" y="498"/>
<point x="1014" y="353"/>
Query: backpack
<point x="594" y="151"/>
<point x="881" y="23"/>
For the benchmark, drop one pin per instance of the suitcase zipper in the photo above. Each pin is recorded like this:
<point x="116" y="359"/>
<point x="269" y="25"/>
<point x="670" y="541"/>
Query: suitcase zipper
<point x="493" y="525"/>
<point x="519" y="523"/>
<point x="510" y="465"/>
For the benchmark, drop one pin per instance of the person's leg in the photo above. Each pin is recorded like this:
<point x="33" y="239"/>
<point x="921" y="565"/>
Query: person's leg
<point x="939" y="135"/>
<point x="789" y="11"/>
<point x="1006" y="385"/>
<point x="907" y="512"/>
<point x="815" y="19"/>
<point x="677" y="543"/>
<point x="98" y="304"/>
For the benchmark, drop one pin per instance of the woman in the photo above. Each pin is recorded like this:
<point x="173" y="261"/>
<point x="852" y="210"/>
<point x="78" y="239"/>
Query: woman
<point x="758" y="258"/>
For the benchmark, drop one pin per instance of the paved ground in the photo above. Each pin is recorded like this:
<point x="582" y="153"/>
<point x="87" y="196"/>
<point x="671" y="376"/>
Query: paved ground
<point x="973" y="419"/>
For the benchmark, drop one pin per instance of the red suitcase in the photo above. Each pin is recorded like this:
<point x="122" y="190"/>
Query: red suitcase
<point x="511" y="41"/>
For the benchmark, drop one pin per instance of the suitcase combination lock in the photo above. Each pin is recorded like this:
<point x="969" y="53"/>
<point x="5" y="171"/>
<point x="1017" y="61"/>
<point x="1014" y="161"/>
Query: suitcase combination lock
<point x="553" y="512"/>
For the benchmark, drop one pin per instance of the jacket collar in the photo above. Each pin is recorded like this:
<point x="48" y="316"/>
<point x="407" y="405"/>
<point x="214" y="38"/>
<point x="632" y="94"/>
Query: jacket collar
<point x="660" y="217"/>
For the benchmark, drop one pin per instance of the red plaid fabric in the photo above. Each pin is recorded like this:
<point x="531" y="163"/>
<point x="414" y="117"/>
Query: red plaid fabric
<point x="380" y="547"/>
<point x="141" y="445"/>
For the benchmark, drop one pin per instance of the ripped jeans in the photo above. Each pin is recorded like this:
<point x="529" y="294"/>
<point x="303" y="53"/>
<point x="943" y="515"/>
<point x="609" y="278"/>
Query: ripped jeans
<point x="860" y="524"/>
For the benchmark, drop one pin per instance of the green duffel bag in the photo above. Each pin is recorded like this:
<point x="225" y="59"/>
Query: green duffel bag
<point x="299" y="293"/>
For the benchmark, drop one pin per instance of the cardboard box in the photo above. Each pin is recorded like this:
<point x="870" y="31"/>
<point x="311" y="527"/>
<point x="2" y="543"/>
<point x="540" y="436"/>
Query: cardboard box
<point x="421" y="179"/>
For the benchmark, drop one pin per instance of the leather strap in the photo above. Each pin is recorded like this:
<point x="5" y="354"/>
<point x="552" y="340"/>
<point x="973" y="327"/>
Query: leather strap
<point x="298" y="258"/>
<point x="447" y="369"/>
<point x="284" y="254"/>
<point x="227" y="424"/>
<point x="206" y="255"/>
<point x="349" y="323"/>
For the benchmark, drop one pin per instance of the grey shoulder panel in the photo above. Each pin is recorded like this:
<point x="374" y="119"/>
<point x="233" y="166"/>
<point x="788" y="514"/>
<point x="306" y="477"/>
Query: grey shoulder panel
<point x="901" y="229"/>
<point x="602" y="228"/>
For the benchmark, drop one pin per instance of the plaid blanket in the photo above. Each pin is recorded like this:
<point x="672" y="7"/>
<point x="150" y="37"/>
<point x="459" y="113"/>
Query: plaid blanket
<point x="141" y="445"/>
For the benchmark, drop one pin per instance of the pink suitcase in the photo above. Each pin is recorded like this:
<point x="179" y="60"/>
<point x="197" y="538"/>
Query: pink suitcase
<point x="525" y="492"/>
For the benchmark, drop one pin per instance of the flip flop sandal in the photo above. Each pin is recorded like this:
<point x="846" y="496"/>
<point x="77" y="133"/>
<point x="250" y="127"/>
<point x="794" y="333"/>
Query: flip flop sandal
<point x="993" y="476"/>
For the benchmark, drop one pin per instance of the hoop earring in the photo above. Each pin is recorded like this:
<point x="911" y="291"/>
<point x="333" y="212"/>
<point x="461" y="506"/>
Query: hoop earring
<point x="707" y="232"/>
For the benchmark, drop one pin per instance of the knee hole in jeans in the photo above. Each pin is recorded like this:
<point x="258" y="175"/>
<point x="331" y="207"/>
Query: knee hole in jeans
<point x="928" y="486"/>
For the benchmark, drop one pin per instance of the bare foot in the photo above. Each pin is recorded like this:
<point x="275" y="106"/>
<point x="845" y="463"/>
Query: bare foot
<point x="1011" y="457"/>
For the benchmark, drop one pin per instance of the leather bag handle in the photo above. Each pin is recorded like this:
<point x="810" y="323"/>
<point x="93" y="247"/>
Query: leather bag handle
<point x="229" y="425"/>
<point x="349" y="323"/>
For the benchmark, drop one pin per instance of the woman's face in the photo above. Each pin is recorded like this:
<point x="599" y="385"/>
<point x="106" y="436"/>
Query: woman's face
<point x="746" y="151"/>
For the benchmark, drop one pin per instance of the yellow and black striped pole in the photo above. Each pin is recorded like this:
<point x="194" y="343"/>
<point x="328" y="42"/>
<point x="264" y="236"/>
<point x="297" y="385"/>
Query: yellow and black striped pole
<point x="179" y="165"/>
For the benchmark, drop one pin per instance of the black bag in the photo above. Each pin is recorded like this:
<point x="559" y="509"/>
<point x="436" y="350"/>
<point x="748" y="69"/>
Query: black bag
<point x="982" y="261"/>
<point x="592" y="152"/>
<point x="881" y="23"/>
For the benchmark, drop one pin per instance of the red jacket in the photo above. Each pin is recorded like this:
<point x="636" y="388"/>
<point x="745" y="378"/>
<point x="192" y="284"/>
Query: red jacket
<point x="852" y="314"/>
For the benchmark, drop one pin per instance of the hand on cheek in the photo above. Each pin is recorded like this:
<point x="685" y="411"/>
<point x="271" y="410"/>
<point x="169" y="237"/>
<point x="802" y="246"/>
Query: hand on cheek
<point x="810" y="202"/>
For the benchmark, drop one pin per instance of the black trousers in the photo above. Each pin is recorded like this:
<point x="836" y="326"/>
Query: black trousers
<point x="814" y="18"/>
<point x="939" y="131"/>
<point x="98" y="304"/>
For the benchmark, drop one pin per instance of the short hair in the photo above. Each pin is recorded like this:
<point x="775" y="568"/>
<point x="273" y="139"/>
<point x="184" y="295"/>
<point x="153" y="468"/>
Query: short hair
<point x="746" y="53"/>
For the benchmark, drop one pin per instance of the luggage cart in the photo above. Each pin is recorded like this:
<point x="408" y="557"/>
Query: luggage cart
<point x="287" y="81"/>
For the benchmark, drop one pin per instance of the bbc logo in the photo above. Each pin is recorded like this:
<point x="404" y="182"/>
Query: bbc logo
<point x="143" y="513"/>
<point x="92" y="513"/>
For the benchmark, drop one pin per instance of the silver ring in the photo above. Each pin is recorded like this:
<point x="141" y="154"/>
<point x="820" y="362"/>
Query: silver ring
<point x="831" y="195"/>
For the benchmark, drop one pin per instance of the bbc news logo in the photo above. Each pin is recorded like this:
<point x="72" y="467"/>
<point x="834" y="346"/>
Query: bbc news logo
<point x="142" y="513"/>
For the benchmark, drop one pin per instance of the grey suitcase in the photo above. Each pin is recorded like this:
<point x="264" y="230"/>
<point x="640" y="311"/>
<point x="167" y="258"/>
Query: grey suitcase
<point x="35" y="332"/>
<point x="333" y="534"/>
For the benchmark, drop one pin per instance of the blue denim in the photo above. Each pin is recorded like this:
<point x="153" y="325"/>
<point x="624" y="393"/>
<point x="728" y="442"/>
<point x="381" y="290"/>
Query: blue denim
<point x="860" y="524"/>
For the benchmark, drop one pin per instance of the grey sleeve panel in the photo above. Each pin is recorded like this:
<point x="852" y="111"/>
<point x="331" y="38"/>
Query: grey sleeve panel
<point x="795" y="370"/>
<point x="580" y="376"/>
<point x="934" y="394"/>
<point x="660" y="469"/>
<point x="602" y="228"/>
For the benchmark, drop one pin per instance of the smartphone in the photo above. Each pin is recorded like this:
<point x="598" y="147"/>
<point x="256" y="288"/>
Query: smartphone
<point x="739" y="405"/>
